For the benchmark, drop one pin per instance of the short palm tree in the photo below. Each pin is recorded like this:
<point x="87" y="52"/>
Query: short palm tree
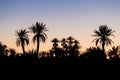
<point x="39" y="33"/>
<point x="12" y="52"/>
<point x="55" y="48"/>
<point x="102" y="36"/>
<point x="64" y="43"/>
<point x="3" y="49"/>
<point x="55" y="43"/>
<point x="114" y="52"/>
<point x="22" y="38"/>
<point x="76" y="47"/>
<point x="64" y="46"/>
<point x="70" y="41"/>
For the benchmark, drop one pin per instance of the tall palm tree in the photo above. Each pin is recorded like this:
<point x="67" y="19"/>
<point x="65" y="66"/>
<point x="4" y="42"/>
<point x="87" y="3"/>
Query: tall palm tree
<point x="22" y="38"/>
<point x="102" y="35"/>
<point x="39" y="33"/>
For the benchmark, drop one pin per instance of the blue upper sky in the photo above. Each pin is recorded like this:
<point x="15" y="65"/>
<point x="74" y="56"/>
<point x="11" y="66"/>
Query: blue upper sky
<point x="77" y="18"/>
<point x="57" y="7"/>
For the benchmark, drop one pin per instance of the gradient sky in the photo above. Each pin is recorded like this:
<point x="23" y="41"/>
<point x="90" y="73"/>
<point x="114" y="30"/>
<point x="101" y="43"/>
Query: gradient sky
<point x="63" y="18"/>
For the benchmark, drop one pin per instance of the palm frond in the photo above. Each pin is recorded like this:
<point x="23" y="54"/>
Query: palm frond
<point x="97" y="33"/>
<point x="27" y="41"/>
<point x="33" y="29"/>
<point x="55" y="40"/>
<point x="97" y="41"/>
<point x="18" y="42"/>
<point x="34" y="38"/>
<point x="42" y="37"/>
<point x="109" y="41"/>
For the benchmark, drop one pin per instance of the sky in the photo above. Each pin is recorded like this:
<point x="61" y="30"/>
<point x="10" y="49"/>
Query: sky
<point x="63" y="18"/>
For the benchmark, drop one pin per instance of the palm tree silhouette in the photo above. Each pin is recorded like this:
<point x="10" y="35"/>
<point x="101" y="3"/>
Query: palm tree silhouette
<point x="55" y="43"/>
<point x="3" y="49"/>
<point x="55" y="46"/>
<point x="12" y="52"/>
<point x="64" y="45"/>
<point x="39" y="33"/>
<point x="114" y="52"/>
<point x="22" y="38"/>
<point x="76" y="47"/>
<point x="103" y="36"/>
<point x="70" y="41"/>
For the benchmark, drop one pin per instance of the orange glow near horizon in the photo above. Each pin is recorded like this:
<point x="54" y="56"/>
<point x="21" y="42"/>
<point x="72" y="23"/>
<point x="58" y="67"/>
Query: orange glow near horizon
<point x="85" y="43"/>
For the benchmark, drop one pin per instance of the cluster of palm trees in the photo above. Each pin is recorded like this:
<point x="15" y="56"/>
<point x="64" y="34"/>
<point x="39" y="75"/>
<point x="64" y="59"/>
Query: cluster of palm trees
<point x="102" y="36"/>
<point x="37" y="29"/>
<point x="70" y="47"/>
<point x="65" y="50"/>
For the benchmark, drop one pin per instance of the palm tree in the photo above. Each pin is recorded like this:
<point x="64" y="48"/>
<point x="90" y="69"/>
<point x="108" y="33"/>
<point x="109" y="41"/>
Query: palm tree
<point x="12" y="51"/>
<point x="76" y="47"/>
<point x="114" y="52"/>
<point x="55" y="46"/>
<point x="39" y="33"/>
<point x="64" y="45"/>
<point x="22" y="38"/>
<point x="103" y="35"/>
<point x="70" y="41"/>
<point x="3" y="49"/>
<point x="55" y="43"/>
<point x="76" y="44"/>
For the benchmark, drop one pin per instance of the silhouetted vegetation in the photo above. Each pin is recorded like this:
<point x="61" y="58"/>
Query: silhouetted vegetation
<point x="94" y="55"/>
<point x="64" y="51"/>
<point x="103" y="36"/>
<point x="22" y="38"/>
<point x="39" y="33"/>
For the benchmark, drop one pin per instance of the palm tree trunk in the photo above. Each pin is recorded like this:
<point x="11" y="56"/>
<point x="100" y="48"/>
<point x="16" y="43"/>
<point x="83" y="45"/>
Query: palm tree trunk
<point x="103" y="46"/>
<point x="38" y="45"/>
<point x="103" y="58"/>
<point x="23" y="48"/>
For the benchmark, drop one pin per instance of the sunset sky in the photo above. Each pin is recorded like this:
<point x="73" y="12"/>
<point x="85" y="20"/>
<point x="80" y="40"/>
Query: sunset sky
<point x="63" y="18"/>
